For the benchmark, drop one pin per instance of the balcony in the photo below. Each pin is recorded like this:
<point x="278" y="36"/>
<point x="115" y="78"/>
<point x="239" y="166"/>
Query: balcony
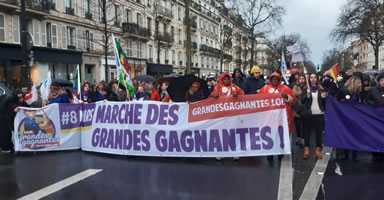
<point x="228" y="44"/>
<point x="136" y="31"/>
<point x="69" y="11"/>
<point x="163" y="12"/>
<point x="210" y="50"/>
<point x="165" y="37"/>
<point x="193" y="45"/>
<point x="228" y="57"/>
<point x="31" y="5"/>
<point x="228" y="29"/>
<point x="88" y="15"/>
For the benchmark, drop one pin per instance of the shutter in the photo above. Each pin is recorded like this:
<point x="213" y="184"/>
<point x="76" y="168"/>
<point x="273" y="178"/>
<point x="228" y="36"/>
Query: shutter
<point x="16" y="32"/>
<point x="91" y="40"/>
<point x="36" y="32"/>
<point x="43" y="34"/>
<point x="54" y="35"/>
<point x="64" y="37"/>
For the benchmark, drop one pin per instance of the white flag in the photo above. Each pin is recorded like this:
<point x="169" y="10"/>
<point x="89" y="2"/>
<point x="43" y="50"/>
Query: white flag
<point x="31" y="96"/>
<point x="283" y="67"/>
<point x="297" y="55"/>
<point x="44" y="89"/>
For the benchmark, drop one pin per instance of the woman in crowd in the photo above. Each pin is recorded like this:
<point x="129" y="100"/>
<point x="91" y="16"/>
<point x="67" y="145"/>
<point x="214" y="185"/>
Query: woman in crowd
<point x="108" y="94"/>
<point x="155" y="96"/>
<point x="350" y="92"/>
<point x="299" y="109"/>
<point x="194" y="93"/>
<point x="141" y="93"/>
<point x="163" y="90"/>
<point x="100" y="86"/>
<point x="314" y="100"/>
<point x="226" y="88"/>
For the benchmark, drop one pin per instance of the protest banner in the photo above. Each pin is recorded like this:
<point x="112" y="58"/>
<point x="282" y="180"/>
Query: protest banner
<point x="350" y="125"/>
<point x="54" y="127"/>
<point x="250" y="125"/>
<point x="225" y="127"/>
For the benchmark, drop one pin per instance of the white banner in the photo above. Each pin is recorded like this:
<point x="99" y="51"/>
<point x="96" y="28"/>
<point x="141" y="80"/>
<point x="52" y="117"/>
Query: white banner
<point x="248" y="125"/>
<point x="40" y="129"/>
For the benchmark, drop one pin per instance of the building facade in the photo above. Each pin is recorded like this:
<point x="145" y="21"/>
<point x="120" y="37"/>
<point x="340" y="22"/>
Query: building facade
<point x="68" y="33"/>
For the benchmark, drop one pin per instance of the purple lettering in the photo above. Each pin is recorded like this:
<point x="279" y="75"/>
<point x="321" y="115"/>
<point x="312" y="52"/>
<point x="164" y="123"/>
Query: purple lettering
<point x="161" y="141"/>
<point x="115" y="112"/>
<point x="136" y="140"/>
<point x="127" y="138"/>
<point x="201" y="140"/>
<point x="229" y="139"/>
<point x="242" y="132"/>
<point x="96" y="137"/>
<point x="145" y="141"/>
<point x="104" y="133"/>
<point x="100" y="114"/>
<point x="163" y="114"/>
<point x="129" y="110"/>
<point x="214" y="141"/>
<point x="173" y="117"/>
<point x="118" y="139"/>
<point x="186" y="141"/>
<point x="268" y="142"/>
<point x="121" y="114"/>
<point x="138" y="108"/>
<point x="254" y="137"/>
<point x="152" y="114"/>
<point x="107" y="117"/>
<point x="174" y="142"/>
<point x="110" y="139"/>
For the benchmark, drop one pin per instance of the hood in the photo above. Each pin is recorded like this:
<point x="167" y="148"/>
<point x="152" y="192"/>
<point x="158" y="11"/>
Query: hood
<point x="222" y="76"/>
<point x="274" y="74"/>
<point x="237" y="70"/>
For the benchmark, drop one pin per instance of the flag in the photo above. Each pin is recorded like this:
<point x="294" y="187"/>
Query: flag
<point x="76" y="86"/>
<point x="31" y="95"/>
<point x="44" y="89"/>
<point x="334" y="71"/>
<point x="123" y="67"/>
<point x="283" y="67"/>
<point x="297" y="55"/>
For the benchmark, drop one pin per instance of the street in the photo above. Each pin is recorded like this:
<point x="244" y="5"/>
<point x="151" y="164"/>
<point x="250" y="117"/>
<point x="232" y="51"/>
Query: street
<point x="132" y="177"/>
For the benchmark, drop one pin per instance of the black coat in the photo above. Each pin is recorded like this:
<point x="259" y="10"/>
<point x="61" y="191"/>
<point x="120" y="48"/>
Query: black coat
<point x="252" y="85"/>
<point x="307" y="101"/>
<point x="239" y="82"/>
<point x="376" y="96"/>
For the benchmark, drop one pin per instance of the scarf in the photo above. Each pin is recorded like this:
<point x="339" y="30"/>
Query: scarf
<point x="313" y="89"/>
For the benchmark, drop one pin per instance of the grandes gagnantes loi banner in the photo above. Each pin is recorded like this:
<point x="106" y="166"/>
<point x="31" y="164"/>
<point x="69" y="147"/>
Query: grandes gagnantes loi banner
<point x="248" y="125"/>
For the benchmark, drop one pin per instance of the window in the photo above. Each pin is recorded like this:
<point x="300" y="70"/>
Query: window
<point x="128" y="16"/>
<point x="165" y="28"/>
<point x="86" y="7"/>
<point x="150" y="52"/>
<point x="202" y="61"/>
<point x="2" y="28"/>
<point x="166" y="59"/>
<point x="15" y="29"/>
<point x="173" y="33"/>
<point x="149" y="23"/>
<point x="179" y="13"/>
<point x="71" y="37"/>
<point x="36" y="32"/>
<point x="201" y="24"/>
<point x="139" y="50"/>
<point x="68" y="3"/>
<point x="179" y="36"/>
<point x="91" y="41"/>
<point x="180" y="58"/>
<point x="49" y="35"/>
<point x="129" y="48"/>
<point x="173" y="56"/>
<point x="139" y="19"/>
<point x="116" y="15"/>
<point x="64" y="37"/>
<point x="43" y="34"/>
<point x="164" y="3"/>
<point x="88" y="40"/>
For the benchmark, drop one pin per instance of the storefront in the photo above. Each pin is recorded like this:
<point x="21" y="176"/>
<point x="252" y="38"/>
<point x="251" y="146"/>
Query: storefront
<point x="61" y="63"/>
<point x="159" y="70"/>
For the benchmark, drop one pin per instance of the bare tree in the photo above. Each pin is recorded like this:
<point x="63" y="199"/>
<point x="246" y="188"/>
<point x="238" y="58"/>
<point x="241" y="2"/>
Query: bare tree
<point x="259" y="16"/>
<point x="362" y="19"/>
<point x="336" y="56"/>
<point x="162" y="16"/>
<point x="224" y="40"/>
<point x="188" y="21"/>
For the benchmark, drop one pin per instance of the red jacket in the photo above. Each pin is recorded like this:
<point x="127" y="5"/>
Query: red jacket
<point x="155" y="96"/>
<point x="270" y="89"/>
<point x="222" y="90"/>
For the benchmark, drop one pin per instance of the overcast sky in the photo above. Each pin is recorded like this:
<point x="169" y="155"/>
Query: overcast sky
<point x="313" y="19"/>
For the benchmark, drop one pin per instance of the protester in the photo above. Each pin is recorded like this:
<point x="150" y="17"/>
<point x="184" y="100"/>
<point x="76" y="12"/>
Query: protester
<point x="238" y="78"/>
<point x="194" y="93"/>
<point x="376" y="99"/>
<point x="100" y="86"/>
<point x="350" y="92"/>
<point x="108" y="95"/>
<point x="329" y="85"/>
<point x="276" y="87"/>
<point x="155" y="96"/>
<point x="299" y="110"/>
<point x="293" y="79"/>
<point x="163" y="92"/>
<point x="366" y="87"/>
<point x="226" y="88"/>
<point x="57" y="95"/>
<point x="314" y="100"/>
<point x="211" y="84"/>
<point x="254" y="83"/>
<point x="141" y="94"/>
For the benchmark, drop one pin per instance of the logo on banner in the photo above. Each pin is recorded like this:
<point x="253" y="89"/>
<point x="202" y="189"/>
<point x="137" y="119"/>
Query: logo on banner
<point x="37" y="131"/>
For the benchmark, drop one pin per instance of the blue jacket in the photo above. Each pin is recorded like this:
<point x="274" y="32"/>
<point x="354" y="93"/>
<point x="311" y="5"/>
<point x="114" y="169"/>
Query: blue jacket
<point x="60" y="99"/>
<point x="252" y="85"/>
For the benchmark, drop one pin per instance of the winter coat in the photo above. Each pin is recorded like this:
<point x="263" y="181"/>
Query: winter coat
<point x="238" y="81"/>
<point x="155" y="96"/>
<point x="220" y="88"/>
<point x="252" y="85"/>
<point x="376" y="96"/>
<point x="281" y="89"/>
<point x="307" y="101"/>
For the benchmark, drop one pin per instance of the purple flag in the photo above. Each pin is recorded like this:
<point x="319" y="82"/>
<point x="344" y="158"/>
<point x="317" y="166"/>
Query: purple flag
<point x="350" y="125"/>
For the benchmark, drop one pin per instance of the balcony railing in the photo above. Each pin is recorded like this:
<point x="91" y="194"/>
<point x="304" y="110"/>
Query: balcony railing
<point x="163" y="11"/>
<point x="69" y="10"/>
<point x="136" y="30"/>
<point x="40" y="5"/>
<point x="165" y="37"/>
<point x="88" y="15"/>
<point x="211" y="50"/>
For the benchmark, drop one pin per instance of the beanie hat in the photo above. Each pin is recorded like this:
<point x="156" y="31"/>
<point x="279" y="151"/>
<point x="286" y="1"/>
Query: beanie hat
<point x="255" y="69"/>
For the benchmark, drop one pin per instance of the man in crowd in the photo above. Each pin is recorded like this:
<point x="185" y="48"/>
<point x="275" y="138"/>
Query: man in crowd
<point x="254" y="83"/>
<point x="238" y="78"/>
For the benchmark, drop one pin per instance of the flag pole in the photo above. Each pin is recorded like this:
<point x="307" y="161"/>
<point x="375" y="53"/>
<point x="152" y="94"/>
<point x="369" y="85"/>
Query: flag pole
<point x="78" y="80"/>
